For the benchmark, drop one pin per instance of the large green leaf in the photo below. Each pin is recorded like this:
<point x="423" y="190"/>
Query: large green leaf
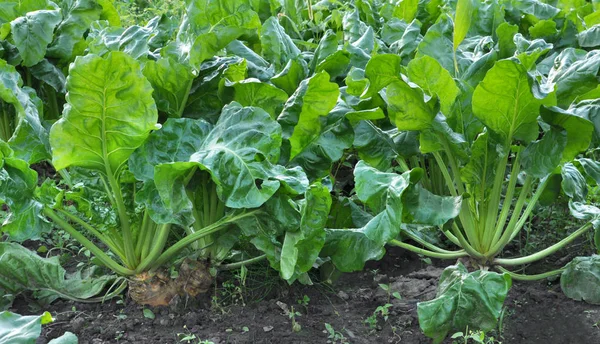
<point x="434" y="80"/>
<point x="581" y="279"/>
<point x="253" y="92"/>
<point x="335" y="136"/>
<point x="277" y="47"/>
<point x="381" y="70"/>
<point x="573" y="183"/>
<point x="30" y="139"/>
<point x="301" y="248"/>
<point x="23" y="270"/>
<point x="407" y="107"/>
<point x="239" y="152"/>
<point x="464" y="299"/>
<point x="574" y="72"/>
<point x="478" y="173"/>
<point x="109" y="113"/>
<point x="15" y="328"/>
<point x="380" y="148"/>
<point x="462" y="21"/>
<point x="171" y="82"/>
<point x="33" y="32"/>
<point x="424" y="207"/>
<point x="579" y="130"/>
<point x="541" y="157"/>
<point x="77" y="17"/>
<point x="300" y="122"/>
<point x="503" y="101"/>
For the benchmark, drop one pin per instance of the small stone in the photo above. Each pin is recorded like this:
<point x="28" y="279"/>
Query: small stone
<point x="77" y="324"/>
<point x="268" y="328"/>
<point x="164" y="322"/>
<point x="343" y="295"/>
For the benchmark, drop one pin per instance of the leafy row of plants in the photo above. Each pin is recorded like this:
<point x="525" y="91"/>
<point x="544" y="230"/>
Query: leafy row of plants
<point x="227" y="136"/>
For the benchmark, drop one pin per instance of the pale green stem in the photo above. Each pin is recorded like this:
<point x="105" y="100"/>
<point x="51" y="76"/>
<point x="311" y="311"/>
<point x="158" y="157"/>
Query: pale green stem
<point x="546" y="252"/>
<point x="238" y="265"/>
<point x="96" y="251"/>
<point x="124" y="220"/>
<point x="160" y="239"/>
<point x="453" y="255"/>
<point x="536" y="277"/>
<point x="508" y="198"/>
<point x="425" y="243"/>
<point x="493" y="206"/>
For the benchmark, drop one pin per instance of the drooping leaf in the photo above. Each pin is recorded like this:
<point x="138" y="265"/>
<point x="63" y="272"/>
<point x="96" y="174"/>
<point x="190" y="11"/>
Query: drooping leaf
<point x="109" y="113"/>
<point x="541" y="157"/>
<point x="581" y="279"/>
<point x="23" y="270"/>
<point x="15" y="328"/>
<point x="301" y="248"/>
<point x="579" y="130"/>
<point x="461" y="294"/>
<point x="314" y="98"/>
<point x="573" y="183"/>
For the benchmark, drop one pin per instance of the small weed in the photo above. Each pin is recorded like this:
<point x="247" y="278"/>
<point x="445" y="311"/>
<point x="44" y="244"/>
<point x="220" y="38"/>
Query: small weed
<point x="334" y="337"/>
<point x="473" y="337"/>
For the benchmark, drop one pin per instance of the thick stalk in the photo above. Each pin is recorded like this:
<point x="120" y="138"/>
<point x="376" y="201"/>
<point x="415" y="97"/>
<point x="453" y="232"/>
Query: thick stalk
<point x="147" y="245"/>
<point x="425" y="243"/>
<point x="104" y="239"/>
<point x="506" y="236"/>
<point x="124" y="220"/>
<point x="452" y="255"/>
<point x="185" y="99"/>
<point x="450" y="237"/>
<point x="532" y="203"/>
<point x="213" y="228"/>
<point x="536" y="277"/>
<point x="493" y="205"/>
<point x="143" y="232"/>
<point x="96" y="251"/>
<point x="6" y="131"/>
<point x="238" y="265"/>
<point x="402" y="164"/>
<point x="508" y="198"/>
<point x="546" y="252"/>
<point x="158" y="244"/>
<point x="214" y="199"/>
<point x="464" y="244"/>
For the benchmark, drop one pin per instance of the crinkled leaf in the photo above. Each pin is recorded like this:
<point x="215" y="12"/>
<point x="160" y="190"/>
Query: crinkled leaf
<point x="581" y="279"/>
<point x="407" y="107"/>
<point x="109" y="113"/>
<point x="301" y="248"/>
<point x="33" y="32"/>
<point x="464" y="299"/>
<point x="425" y="208"/>
<point x="574" y="72"/>
<point x="300" y="118"/>
<point x="579" y="130"/>
<point x="252" y="92"/>
<point x="170" y="81"/>
<point x="23" y="270"/>
<point x="381" y="71"/>
<point x="573" y="183"/>
<point x="541" y="157"/>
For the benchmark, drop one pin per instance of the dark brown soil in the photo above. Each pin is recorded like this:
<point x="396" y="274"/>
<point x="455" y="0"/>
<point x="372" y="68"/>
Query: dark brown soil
<point x="537" y="312"/>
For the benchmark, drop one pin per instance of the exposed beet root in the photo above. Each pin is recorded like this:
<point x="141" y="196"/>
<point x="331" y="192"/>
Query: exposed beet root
<point x="158" y="289"/>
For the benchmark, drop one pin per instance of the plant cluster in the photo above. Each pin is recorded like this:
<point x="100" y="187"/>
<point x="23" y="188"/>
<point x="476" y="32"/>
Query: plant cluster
<point x="307" y="134"/>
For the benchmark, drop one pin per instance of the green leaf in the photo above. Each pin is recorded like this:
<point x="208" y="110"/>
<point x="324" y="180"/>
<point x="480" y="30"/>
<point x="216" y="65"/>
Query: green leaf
<point x="581" y="279"/>
<point x="148" y="314"/>
<point x="406" y="10"/>
<point x="314" y="98"/>
<point x="50" y="74"/>
<point x="33" y="32"/>
<point x="478" y="173"/>
<point x="67" y="338"/>
<point x="109" y="113"/>
<point x="335" y="136"/>
<point x="253" y="92"/>
<point x="291" y="76"/>
<point x="102" y="39"/>
<point x="541" y="157"/>
<point x="77" y="17"/>
<point x="506" y="45"/>
<point x="434" y="80"/>
<point x="30" y="139"/>
<point x="461" y="294"/>
<point x="589" y="38"/>
<point x="503" y="101"/>
<point x="407" y="107"/>
<point x="277" y="47"/>
<point x="301" y="248"/>
<point x="381" y="71"/>
<point x="379" y="148"/>
<point x="244" y="143"/>
<point x="423" y="207"/>
<point x="462" y="21"/>
<point x="170" y="81"/>
<point x="15" y="328"/>
<point x="573" y="183"/>
<point x="23" y="270"/>
<point x="438" y="43"/>
<point x="574" y="72"/>
<point x="579" y="130"/>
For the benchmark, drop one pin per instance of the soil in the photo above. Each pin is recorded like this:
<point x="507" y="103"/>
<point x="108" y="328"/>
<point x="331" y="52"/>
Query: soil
<point x="536" y="312"/>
